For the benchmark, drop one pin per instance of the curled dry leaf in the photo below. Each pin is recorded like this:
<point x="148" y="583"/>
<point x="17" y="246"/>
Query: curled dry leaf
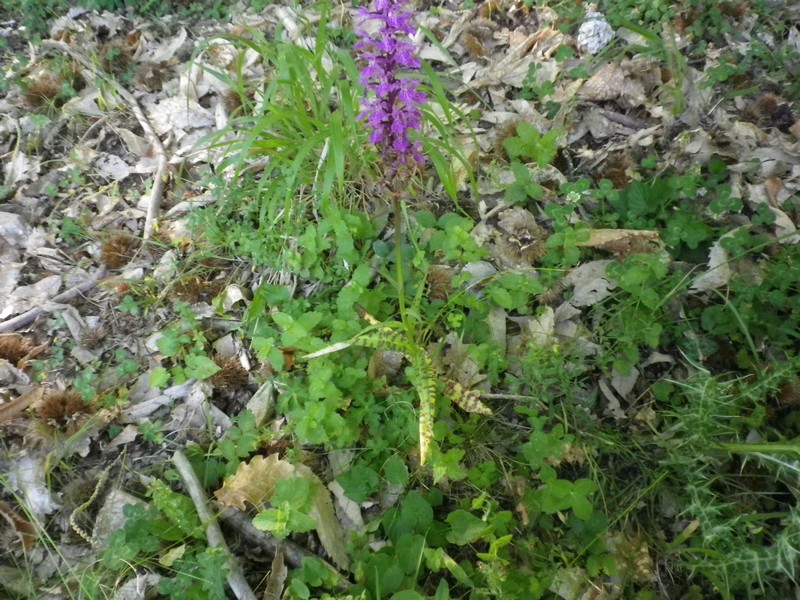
<point x="254" y="482"/>
<point x="718" y="273"/>
<point x="23" y="530"/>
<point x="623" y="242"/>
<point x="36" y="295"/>
<point x="29" y="478"/>
<point x="614" y="82"/>
<point x="590" y="282"/>
<point x="276" y="578"/>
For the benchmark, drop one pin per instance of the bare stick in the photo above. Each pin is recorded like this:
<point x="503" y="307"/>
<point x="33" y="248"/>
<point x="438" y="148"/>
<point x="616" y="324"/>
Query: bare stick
<point x="293" y="554"/>
<point x="161" y="175"/>
<point x="16" y="322"/>
<point x="236" y="579"/>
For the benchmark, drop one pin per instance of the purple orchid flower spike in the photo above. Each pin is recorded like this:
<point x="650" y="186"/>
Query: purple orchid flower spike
<point x="391" y="108"/>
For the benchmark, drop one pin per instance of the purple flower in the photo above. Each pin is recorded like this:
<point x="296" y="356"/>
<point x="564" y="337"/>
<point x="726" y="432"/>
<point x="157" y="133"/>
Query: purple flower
<point x="391" y="107"/>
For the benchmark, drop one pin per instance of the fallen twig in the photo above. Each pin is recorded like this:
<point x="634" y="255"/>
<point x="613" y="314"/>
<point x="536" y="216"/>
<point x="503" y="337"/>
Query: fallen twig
<point x="236" y="579"/>
<point x="161" y="175"/>
<point x="27" y="317"/>
<point x="293" y="554"/>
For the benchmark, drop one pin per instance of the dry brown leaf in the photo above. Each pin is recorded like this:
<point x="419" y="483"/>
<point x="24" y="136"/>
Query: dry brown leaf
<point x="605" y="84"/>
<point x="795" y="129"/>
<point x="633" y="556"/>
<point x="329" y="529"/>
<point x="24" y="530"/>
<point x="719" y="271"/>
<point x="623" y="242"/>
<point x="276" y="579"/>
<point x="600" y="237"/>
<point x="254" y="482"/>
<point x="773" y="186"/>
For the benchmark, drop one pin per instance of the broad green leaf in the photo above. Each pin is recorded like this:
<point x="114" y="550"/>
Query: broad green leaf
<point x="200" y="367"/>
<point x="408" y="595"/>
<point x="359" y="483"/>
<point x="465" y="528"/>
<point x="409" y="552"/>
<point x="395" y="471"/>
<point x="159" y="377"/>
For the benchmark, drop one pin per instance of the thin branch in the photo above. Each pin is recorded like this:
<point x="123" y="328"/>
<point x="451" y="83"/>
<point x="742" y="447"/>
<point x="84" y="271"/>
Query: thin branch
<point x="27" y="317"/>
<point x="161" y="176"/>
<point x="242" y="523"/>
<point x="293" y="553"/>
<point x="236" y="579"/>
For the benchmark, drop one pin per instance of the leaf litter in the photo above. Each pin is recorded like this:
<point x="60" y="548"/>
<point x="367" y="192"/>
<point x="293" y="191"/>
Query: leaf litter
<point x="94" y="208"/>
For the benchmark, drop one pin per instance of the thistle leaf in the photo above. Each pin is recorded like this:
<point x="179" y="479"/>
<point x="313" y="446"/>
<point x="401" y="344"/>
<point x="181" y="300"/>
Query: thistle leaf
<point x="384" y="339"/>
<point x="466" y="399"/>
<point x="338" y="346"/>
<point x="424" y="380"/>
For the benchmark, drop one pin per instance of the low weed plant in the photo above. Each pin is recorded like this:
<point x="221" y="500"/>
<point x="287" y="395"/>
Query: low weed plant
<point x="500" y="439"/>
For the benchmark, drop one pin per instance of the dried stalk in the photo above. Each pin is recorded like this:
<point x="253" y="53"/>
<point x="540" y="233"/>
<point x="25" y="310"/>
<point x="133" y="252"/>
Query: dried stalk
<point x="236" y="579"/>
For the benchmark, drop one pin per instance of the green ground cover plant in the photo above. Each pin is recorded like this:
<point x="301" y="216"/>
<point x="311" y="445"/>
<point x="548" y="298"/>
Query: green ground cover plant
<point x="522" y="393"/>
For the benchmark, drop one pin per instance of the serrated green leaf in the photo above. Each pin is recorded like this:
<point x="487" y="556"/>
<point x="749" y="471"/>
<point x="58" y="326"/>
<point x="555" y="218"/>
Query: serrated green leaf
<point x="159" y="377"/>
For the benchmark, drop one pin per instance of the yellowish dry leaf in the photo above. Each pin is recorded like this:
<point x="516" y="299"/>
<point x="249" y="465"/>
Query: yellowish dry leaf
<point x="254" y="482"/>
<point x="601" y="237"/>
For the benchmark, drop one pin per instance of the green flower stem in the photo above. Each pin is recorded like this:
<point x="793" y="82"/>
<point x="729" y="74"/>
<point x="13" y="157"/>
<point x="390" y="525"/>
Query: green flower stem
<point x="763" y="448"/>
<point x="397" y="201"/>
